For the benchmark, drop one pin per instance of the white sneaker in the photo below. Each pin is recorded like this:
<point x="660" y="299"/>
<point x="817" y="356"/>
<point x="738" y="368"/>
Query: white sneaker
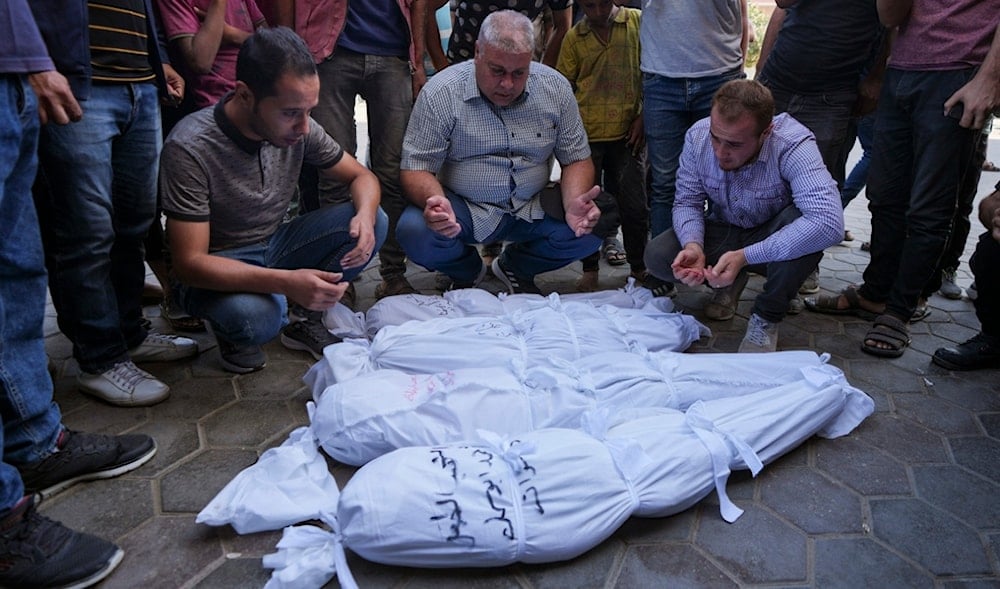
<point x="158" y="347"/>
<point x="124" y="384"/>
<point x="761" y="336"/>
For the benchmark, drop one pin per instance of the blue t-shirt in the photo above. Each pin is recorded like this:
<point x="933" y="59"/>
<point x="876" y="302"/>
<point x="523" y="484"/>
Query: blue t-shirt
<point x="375" y="27"/>
<point x="22" y="50"/>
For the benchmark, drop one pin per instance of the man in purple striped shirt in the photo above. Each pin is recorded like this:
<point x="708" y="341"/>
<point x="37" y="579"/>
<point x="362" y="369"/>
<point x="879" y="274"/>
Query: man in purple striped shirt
<point x="772" y="208"/>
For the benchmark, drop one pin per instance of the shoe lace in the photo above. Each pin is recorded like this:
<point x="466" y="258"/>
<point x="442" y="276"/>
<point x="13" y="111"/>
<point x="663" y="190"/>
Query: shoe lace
<point x="127" y="375"/>
<point x="314" y="330"/>
<point x="948" y="275"/>
<point x="757" y="334"/>
<point x="161" y="338"/>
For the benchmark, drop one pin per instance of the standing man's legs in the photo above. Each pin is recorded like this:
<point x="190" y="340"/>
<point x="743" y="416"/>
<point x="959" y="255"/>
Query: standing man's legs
<point x="918" y="161"/>
<point x="385" y="84"/>
<point x="670" y="107"/>
<point x="101" y="174"/>
<point x="38" y="454"/>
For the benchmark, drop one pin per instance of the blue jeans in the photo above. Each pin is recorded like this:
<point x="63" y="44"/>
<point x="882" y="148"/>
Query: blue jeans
<point x="31" y="420"/>
<point x="385" y="84"/>
<point x="828" y="116"/>
<point x="318" y="240"/>
<point x="783" y="277"/>
<point x="101" y="199"/>
<point x="537" y="247"/>
<point x="918" y="162"/>
<point x="670" y="106"/>
<point x="858" y="177"/>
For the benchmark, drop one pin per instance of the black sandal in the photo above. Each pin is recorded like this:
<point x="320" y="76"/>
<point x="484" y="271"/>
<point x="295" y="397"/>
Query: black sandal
<point x="890" y="331"/>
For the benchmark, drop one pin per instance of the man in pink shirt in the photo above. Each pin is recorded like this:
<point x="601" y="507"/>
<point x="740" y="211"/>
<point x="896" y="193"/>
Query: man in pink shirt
<point x="206" y="35"/>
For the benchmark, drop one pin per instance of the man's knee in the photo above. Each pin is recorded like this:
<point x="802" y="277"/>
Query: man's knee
<point x="244" y="319"/>
<point x="660" y="254"/>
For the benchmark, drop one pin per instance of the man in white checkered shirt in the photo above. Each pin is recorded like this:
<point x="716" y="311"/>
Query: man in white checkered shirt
<point x="478" y="153"/>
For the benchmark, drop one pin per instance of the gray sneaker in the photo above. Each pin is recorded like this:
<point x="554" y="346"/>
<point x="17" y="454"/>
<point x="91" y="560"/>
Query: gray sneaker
<point x="240" y="359"/>
<point x="811" y="284"/>
<point x="949" y="289"/>
<point x="124" y="384"/>
<point x="308" y="335"/>
<point x="158" y="347"/>
<point x="761" y="336"/>
<point x="972" y="292"/>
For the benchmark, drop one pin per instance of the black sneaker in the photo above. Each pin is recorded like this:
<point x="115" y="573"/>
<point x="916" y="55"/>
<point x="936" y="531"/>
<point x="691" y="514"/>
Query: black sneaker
<point x="659" y="288"/>
<point x="240" y="359"/>
<point x="514" y="283"/>
<point x="86" y="457"/>
<point x="456" y="285"/>
<point x="308" y="335"/>
<point x="982" y="351"/>
<point x="38" y="552"/>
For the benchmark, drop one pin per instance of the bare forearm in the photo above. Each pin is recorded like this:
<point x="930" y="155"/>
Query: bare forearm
<point x="770" y="35"/>
<point x="419" y="185"/>
<point x="561" y="22"/>
<point x="199" y="53"/>
<point x="577" y="178"/>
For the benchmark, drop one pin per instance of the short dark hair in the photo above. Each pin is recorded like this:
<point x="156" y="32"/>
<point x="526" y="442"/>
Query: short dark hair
<point x="269" y="54"/>
<point x="738" y="97"/>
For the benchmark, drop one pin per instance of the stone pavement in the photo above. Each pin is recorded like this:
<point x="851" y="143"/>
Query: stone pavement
<point x="910" y="499"/>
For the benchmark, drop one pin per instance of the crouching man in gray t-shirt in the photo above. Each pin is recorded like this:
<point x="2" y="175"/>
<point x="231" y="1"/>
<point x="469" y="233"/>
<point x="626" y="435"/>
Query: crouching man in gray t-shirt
<point x="227" y="176"/>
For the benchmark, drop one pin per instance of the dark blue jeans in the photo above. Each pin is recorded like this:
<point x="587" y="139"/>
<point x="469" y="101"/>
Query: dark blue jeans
<point x="919" y="159"/>
<point x="318" y="239"/>
<point x="783" y="277"/>
<point x="31" y="420"/>
<point x="100" y="202"/>
<point x="670" y="106"/>
<point x="856" y="180"/>
<point x="539" y="246"/>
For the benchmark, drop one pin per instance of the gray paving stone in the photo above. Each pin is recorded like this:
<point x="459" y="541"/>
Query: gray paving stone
<point x="246" y="424"/>
<point x="811" y="501"/>
<point x="863" y="467"/>
<point x="964" y="394"/>
<point x="955" y="490"/>
<point x="742" y="549"/>
<point x="902" y="438"/>
<point x="164" y="553"/>
<point x="978" y="454"/>
<point x="850" y="563"/>
<point x="236" y="572"/>
<point x="638" y="530"/>
<point x="246" y="545"/>
<point x="669" y="565"/>
<point x="280" y="383"/>
<point x="101" y="418"/>
<point x="114" y="507"/>
<point x="975" y="583"/>
<point x="886" y="376"/>
<point x="991" y="423"/>
<point x="931" y="537"/>
<point x="591" y="570"/>
<point x="499" y="578"/>
<point x="936" y="414"/>
<point x="189" y="487"/>
<point x="174" y="440"/>
<point x="196" y="397"/>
